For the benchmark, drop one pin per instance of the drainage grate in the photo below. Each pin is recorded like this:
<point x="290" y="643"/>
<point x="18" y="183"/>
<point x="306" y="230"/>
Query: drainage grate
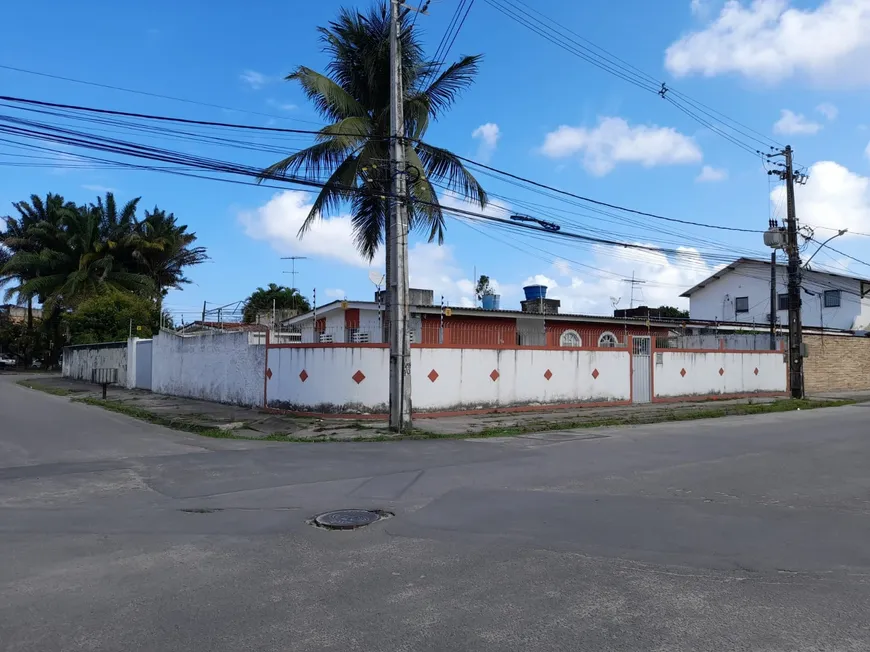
<point x="200" y="510"/>
<point x="349" y="519"/>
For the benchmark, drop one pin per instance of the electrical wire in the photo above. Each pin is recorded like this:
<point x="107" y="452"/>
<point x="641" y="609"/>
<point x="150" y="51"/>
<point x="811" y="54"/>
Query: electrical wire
<point x="149" y="94"/>
<point x="556" y="33"/>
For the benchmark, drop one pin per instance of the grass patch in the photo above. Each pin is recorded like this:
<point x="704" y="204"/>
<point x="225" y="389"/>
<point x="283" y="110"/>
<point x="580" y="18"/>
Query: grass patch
<point x="687" y="413"/>
<point x="48" y="389"/>
<point x="682" y="413"/>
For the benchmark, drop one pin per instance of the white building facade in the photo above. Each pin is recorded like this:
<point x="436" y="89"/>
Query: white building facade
<point x="740" y="292"/>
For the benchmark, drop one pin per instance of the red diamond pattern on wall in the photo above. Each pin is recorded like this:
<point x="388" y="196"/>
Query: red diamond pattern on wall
<point x="595" y="374"/>
<point x="303" y="375"/>
<point x="433" y="375"/>
<point x="358" y="377"/>
<point x="683" y="373"/>
<point x="494" y="375"/>
<point x="548" y="374"/>
<point x="268" y="373"/>
<point x="721" y="371"/>
<point x="756" y="371"/>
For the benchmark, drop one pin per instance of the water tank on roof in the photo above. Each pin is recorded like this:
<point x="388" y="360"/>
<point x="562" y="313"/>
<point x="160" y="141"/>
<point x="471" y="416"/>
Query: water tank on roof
<point x="490" y="301"/>
<point x="534" y="292"/>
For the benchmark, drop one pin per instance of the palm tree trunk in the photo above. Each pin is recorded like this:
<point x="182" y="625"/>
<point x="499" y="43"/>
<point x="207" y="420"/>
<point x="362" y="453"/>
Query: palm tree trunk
<point x="28" y="358"/>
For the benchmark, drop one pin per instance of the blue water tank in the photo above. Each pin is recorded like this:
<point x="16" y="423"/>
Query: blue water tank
<point x="535" y="292"/>
<point x="490" y="301"/>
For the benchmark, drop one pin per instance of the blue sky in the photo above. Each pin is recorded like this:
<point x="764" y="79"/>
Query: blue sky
<point x="796" y="72"/>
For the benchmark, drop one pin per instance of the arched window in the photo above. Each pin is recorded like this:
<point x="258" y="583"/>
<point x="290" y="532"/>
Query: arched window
<point x="570" y="339"/>
<point x="608" y="340"/>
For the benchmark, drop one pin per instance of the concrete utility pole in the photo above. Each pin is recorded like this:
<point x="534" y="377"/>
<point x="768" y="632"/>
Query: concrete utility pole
<point x="400" y="345"/>
<point x="773" y="302"/>
<point x="795" y="327"/>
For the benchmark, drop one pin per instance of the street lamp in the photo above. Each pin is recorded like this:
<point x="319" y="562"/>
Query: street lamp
<point x="836" y="235"/>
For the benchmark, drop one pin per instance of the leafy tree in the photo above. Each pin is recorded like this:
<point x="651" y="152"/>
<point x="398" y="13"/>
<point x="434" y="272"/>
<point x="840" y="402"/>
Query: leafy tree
<point x="63" y="255"/>
<point x="483" y="288"/>
<point x="672" y="312"/>
<point x="284" y="298"/>
<point x="110" y="316"/>
<point x="353" y="149"/>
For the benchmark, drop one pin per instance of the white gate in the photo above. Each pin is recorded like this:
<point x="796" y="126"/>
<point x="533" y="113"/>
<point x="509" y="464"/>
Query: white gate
<point x="640" y="369"/>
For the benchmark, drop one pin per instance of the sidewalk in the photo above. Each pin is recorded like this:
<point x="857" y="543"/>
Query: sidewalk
<point x="199" y="415"/>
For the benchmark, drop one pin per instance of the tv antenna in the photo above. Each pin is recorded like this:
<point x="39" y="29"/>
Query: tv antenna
<point x="293" y="272"/>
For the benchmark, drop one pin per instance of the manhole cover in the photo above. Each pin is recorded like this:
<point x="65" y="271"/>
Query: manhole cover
<point x="348" y="519"/>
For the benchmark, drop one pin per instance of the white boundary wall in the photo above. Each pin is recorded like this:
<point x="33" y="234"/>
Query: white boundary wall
<point x="463" y="381"/>
<point x="329" y="385"/>
<point x="81" y="359"/>
<point x="702" y="377"/>
<point x="220" y="367"/>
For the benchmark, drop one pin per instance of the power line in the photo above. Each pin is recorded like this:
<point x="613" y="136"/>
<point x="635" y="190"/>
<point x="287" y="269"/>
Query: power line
<point x="208" y="123"/>
<point x="556" y="33"/>
<point x="149" y="94"/>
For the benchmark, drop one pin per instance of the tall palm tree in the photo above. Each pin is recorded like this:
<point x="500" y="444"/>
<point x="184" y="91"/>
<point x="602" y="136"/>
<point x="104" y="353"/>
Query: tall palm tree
<point x="354" y="148"/>
<point x="19" y="237"/>
<point x="162" y="249"/>
<point x="71" y="261"/>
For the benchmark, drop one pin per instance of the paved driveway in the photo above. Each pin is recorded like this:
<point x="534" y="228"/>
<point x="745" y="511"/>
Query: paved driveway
<point x="747" y="533"/>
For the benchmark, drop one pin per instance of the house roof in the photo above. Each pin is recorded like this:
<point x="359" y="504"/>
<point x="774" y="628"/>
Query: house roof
<point x="756" y="261"/>
<point x="480" y="312"/>
<point x="223" y="326"/>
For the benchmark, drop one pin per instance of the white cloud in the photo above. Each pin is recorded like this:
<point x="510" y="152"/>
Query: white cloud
<point x="614" y="141"/>
<point x="254" y="79"/>
<point x="698" y="7"/>
<point x="580" y="291"/>
<point x="283" y="106"/>
<point x="867" y="150"/>
<point x="335" y="293"/>
<point x="488" y="135"/>
<point x="795" y="123"/>
<point x="709" y="173"/>
<point x="278" y="222"/>
<point x="828" y="110"/>
<point x="834" y="197"/>
<point x="770" y="40"/>
<point x="99" y="189"/>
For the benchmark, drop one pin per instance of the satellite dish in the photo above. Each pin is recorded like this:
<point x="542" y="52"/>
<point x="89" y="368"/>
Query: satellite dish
<point x="376" y="277"/>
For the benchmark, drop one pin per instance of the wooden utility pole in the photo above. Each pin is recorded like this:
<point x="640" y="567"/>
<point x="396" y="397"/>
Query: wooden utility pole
<point x="397" y="264"/>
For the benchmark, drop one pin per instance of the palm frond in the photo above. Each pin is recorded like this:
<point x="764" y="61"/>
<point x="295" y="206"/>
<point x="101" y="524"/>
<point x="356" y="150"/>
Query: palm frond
<point x="329" y="98"/>
<point x="443" y="165"/>
<point x="442" y="92"/>
<point x="334" y="191"/>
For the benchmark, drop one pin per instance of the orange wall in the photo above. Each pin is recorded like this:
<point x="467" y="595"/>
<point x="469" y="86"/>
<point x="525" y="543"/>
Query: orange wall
<point x="468" y="331"/>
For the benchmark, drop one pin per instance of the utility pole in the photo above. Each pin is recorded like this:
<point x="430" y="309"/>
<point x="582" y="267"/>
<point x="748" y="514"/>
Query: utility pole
<point x="773" y="302"/>
<point x="400" y="346"/>
<point x="795" y="327"/>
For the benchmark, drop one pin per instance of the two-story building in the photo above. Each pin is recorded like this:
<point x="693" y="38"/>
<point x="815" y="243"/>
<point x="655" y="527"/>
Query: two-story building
<point x="740" y="292"/>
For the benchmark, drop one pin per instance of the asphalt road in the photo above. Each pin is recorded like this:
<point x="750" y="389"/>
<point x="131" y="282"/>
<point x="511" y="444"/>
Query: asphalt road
<point x="746" y="533"/>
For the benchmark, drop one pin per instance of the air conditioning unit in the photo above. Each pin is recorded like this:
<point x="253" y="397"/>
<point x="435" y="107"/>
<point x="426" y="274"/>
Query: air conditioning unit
<point x="359" y="337"/>
<point x="326" y="338"/>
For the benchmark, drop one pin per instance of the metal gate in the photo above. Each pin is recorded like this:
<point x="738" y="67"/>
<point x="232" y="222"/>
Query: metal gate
<point x="640" y="369"/>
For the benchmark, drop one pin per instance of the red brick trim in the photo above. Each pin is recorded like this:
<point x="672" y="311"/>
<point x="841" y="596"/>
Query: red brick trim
<point x="456" y="413"/>
<point x="741" y="351"/>
<point x="692" y="398"/>
<point x="324" y="345"/>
